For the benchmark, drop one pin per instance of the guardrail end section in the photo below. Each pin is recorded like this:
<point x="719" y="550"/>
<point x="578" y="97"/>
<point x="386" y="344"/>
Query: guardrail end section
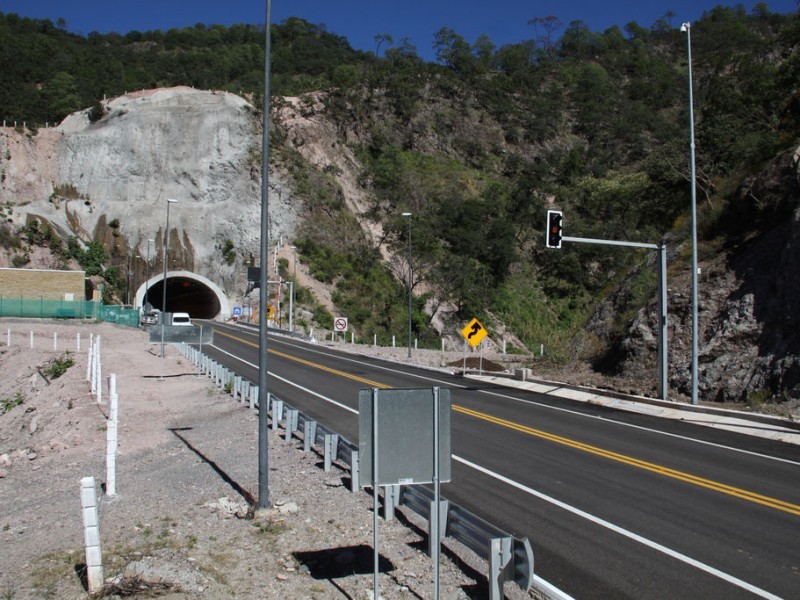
<point x="523" y="563"/>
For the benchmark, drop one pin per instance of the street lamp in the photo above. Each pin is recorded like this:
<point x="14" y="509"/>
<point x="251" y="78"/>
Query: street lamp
<point x="687" y="28"/>
<point x="294" y="283"/>
<point x="164" y="283"/>
<point x="149" y="275"/>
<point x="408" y="214"/>
<point x="263" y="392"/>
<point x="135" y="275"/>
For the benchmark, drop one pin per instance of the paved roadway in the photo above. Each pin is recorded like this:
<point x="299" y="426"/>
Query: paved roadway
<point x="616" y="504"/>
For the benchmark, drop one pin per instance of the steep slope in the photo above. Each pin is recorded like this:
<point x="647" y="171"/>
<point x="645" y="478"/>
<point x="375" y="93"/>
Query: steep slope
<point x="748" y="312"/>
<point x="201" y="148"/>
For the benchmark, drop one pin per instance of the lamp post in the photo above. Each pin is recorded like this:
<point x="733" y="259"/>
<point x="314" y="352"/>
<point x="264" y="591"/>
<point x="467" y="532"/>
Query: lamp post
<point x="135" y="276"/>
<point x="263" y="392"/>
<point x="294" y="283"/>
<point x="149" y="275"/>
<point x="164" y="283"/>
<point x="687" y="28"/>
<point x="408" y="214"/>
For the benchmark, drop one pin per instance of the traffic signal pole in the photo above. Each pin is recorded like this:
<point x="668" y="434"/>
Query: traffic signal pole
<point x="662" y="299"/>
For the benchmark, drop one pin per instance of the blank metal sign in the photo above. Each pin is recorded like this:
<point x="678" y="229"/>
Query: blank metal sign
<point x="405" y="433"/>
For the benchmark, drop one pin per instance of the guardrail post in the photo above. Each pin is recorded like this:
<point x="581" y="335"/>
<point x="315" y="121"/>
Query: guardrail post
<point x="291" y="423"/>
<point x="237" y="381"/>
<point x="309" y="434"/>
<point x="277" y="412"/>
<point x="331" y="446"/>
<point x="391" y="498"/>
<point x="355" y="471"/>
<point x="253" y="396"/>
<point x="499" y="559"/>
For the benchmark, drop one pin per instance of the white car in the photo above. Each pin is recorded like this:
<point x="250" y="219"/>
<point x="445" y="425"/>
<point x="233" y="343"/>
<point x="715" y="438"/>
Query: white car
<point x="181" y="319"/>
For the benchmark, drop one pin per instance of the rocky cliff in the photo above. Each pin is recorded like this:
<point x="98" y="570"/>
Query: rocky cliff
<point x="748" y="301"/>
<point x="200" y="148"/>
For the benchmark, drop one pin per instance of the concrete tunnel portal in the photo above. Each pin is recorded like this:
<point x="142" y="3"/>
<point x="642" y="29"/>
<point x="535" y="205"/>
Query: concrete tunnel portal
<point x="186" y="292"/>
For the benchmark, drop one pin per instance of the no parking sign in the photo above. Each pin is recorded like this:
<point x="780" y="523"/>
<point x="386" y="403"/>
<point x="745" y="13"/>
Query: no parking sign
<point x="340" y="324"/>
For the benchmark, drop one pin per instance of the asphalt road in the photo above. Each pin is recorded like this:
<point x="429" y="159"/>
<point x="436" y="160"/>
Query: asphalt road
<point x="616" y="505"/>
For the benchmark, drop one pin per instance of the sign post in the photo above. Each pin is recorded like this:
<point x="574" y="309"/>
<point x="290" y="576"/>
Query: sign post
<point x="404" y="439"/>
<point x="473" y="334"/>
<point x="340" y="325"/>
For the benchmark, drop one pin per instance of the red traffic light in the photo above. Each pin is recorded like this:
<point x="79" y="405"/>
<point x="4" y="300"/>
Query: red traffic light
<point x="555" y="219"/>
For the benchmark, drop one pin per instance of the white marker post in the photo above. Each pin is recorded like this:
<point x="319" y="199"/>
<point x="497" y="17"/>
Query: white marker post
<point x="91" y="534"/>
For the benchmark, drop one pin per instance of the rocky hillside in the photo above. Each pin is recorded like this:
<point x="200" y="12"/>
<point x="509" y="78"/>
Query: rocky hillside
<point x="106" y="178"/>
<point x="748" y="312"/>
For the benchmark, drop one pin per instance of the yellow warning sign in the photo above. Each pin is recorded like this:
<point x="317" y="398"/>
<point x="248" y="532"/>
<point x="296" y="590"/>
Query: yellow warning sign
<point x="474" y="332"/>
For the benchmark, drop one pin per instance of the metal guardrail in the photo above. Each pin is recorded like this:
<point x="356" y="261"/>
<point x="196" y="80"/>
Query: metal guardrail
<point x="509" y="558"/>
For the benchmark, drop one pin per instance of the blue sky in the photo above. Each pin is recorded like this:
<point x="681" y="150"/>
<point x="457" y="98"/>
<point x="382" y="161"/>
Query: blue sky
<point x="504" y="21"/>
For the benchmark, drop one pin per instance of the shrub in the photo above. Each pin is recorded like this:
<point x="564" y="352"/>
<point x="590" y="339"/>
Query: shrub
<point x="6" y="404"/>
<point x="58" y="366"/>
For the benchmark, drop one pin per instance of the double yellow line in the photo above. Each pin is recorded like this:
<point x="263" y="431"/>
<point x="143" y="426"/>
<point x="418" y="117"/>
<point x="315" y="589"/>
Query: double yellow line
<point x="722" y="488"/>
<point x="641" y="464"/>
<point x="368" y="382"/>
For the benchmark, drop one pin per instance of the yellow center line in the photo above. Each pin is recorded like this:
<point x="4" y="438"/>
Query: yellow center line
<point x="615" y="456"/>
<point x="641" y="464"/>
<point x="368" y="382"/>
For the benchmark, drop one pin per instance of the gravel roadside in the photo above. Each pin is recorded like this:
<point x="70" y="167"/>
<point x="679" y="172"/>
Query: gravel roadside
<point x="181" y="524"/>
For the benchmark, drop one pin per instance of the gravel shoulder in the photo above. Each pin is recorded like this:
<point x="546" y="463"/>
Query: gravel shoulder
<point x="180" y="524"/>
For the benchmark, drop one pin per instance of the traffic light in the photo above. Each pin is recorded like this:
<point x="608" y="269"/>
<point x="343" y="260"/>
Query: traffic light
<point x="555" y="219"/>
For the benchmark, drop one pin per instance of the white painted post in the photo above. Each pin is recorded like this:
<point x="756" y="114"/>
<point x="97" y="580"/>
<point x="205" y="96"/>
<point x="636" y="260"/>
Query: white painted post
<point x="9" y="338"/>
<point x="415" y="343"/>
<point x="352" y="337"/>
<point x="392" y="341"/>
<point x="111" y="458"/>
<point x="442" y="344"/>
<point x="89" y="365"/>
<point x="91" y="534"/>
<point x="98" y="373"/>
<point x="31" y="339"/>
<point x="112" y="397"/>
<point x="541" y="350"/>
<point x="79" y="342"/>
<point x="504" y="346"/>
<point x="111" y="437"/>
<point x="374" y="339"/>
<point x="55" y="340"/>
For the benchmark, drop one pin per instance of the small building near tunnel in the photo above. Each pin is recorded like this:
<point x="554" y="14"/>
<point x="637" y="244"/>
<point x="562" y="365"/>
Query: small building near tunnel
<point x="186" y="292"/>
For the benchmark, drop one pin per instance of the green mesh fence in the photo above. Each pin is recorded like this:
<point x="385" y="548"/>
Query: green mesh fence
<point x="63" y="309"/>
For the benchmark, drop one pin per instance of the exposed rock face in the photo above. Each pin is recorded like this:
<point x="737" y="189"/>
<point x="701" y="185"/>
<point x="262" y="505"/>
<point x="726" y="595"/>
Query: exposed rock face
<point x="748" y="302"/>
<point x="201" y="148"/>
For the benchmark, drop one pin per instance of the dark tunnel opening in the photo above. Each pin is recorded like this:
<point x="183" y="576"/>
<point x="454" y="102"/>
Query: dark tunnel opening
<point x="184" y="295"/>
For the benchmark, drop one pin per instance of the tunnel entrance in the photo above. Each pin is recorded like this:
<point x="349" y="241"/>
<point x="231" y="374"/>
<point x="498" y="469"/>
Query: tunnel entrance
<point x="186" y="292"/>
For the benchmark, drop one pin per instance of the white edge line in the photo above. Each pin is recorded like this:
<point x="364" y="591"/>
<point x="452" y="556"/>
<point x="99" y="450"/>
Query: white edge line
<point x="623" y="532"/>
<point x="567" y="507"/>
<point x="300" y="387"/>
<point x="553" y="391"/>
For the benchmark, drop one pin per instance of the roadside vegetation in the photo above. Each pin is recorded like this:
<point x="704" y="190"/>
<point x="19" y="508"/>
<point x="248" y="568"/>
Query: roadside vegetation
<point x="477" y="146"/>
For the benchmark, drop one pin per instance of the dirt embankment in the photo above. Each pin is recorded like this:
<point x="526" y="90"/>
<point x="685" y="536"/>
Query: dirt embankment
<point x="181" y="523"/>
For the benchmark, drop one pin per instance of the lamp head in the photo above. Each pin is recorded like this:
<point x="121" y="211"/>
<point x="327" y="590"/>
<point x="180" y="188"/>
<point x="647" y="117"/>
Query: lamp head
<point x="172" y="200"/>
<point x="685" y="27"/>
<point x="406" y="214"/>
